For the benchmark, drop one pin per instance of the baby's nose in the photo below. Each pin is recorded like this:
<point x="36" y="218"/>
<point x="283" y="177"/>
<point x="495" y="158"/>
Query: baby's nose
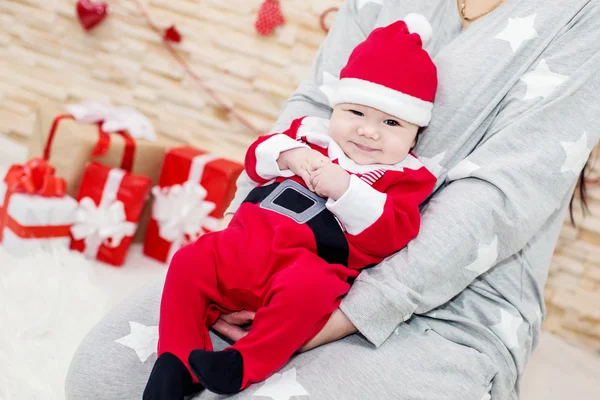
<point x="368" y="131"/>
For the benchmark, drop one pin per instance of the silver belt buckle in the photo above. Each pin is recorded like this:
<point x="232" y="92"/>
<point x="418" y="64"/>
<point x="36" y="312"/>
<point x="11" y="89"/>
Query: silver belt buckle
<point x="318" y="202"/>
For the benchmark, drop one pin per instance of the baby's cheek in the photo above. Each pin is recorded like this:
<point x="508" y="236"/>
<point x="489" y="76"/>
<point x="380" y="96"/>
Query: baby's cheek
<point x="396" y="151"/>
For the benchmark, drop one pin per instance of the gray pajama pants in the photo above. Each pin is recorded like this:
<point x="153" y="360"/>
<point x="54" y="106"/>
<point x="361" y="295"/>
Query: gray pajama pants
<point x="415" y="363"/>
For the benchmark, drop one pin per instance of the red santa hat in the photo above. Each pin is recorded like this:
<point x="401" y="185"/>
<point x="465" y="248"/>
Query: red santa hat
<point x="390" y="71"/>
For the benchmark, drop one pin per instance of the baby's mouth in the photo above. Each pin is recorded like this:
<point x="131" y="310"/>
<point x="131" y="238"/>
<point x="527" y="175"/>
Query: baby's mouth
<point x="364" y="148"/>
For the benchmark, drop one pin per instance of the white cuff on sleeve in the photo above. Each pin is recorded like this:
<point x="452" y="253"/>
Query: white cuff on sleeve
<point x="268" y="152"/>
<point x="359" y="207"/>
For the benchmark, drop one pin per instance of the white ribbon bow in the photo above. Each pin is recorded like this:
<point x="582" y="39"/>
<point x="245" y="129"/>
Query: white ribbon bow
<point x="181" y="212"/>
<point x="104" y="224"/>
<point x="113" y="118"/>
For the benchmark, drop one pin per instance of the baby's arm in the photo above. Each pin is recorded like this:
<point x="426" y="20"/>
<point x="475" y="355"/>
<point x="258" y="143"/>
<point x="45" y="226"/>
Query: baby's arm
<point x="383" y="223"/>
<point x="262" y="155"/>
<point x="287" y="154"/>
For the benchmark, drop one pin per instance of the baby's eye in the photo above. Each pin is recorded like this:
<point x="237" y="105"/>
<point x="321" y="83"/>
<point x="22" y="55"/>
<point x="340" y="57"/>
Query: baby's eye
<point x="357" y="113"/>
<point x="391" y="122"/>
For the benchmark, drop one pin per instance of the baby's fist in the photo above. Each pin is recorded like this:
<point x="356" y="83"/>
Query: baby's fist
<point x="330" y="181"/>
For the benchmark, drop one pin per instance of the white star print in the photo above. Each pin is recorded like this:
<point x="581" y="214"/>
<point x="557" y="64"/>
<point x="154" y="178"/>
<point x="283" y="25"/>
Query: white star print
<point x="541" y="81"/>
<point x="508" y="328"/>
<point x="329" y="83"/>
<point x="282" y="386"/>
<point x="463" y="169"/>
<point x="577" y="154"/>
<point x="143" y="339"/>
<point x="487" y="396"/>
<point x="486" y="257"/>
<point x="433" y="164"/>
<point x="361" y="3"/>
<point x="518" y="30"/>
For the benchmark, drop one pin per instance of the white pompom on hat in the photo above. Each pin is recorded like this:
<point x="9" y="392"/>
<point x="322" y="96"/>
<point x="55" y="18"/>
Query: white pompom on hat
<point x="417" y="23"/>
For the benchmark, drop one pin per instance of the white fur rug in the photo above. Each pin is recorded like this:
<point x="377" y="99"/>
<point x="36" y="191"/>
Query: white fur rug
<point x="48" y="302"/>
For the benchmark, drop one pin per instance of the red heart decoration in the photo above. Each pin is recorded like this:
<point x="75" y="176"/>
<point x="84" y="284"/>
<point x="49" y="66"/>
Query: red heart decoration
<point x="90" y="14"/>
<point x="269" y="17"/>
<point x="172" y="35"/>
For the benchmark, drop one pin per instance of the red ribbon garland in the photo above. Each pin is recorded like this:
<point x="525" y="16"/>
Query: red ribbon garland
<point x="196" y="78"/>
<point x="167" y="40"/>
<point x="102" y="145"/>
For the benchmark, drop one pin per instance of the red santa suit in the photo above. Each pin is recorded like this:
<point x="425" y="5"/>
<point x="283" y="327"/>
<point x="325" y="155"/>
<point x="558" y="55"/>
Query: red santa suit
<point x="288" y="254"/>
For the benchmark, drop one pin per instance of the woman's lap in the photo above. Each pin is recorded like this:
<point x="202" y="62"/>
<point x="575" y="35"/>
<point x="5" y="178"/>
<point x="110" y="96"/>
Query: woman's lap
<point x="415" y="363"/>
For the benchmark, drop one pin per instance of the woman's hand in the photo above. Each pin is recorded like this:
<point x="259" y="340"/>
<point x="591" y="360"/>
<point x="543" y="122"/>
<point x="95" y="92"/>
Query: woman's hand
<point x="337" y="327"/>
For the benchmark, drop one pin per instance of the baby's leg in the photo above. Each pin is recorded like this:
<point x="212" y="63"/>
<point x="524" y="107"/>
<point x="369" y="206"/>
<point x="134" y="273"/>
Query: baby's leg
<point x="297" y="305"/>
<point x="190" y="285"/>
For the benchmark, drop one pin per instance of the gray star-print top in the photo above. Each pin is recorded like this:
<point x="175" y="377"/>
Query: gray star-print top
<point x="516" y="114"/>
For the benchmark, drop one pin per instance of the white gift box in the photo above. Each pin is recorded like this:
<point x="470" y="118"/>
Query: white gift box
<point x="29" y="213"/>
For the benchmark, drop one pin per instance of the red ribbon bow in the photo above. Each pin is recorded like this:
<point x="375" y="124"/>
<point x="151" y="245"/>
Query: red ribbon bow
<point x="36" y="176"/>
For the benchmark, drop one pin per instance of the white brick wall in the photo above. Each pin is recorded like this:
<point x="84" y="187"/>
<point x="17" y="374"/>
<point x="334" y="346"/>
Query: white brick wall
<point x="45" y="53"/>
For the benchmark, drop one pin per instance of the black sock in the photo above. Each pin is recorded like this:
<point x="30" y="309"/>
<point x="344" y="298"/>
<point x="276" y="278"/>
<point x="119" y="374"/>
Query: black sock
<point x="170" y="380"/>
<point x="220" y="372"/>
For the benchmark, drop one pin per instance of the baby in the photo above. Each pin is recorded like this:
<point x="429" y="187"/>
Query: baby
<point x="332" y="197"/>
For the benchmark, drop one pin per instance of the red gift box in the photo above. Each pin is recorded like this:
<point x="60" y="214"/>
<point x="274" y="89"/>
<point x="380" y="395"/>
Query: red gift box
<point x="193" y="192"/>
<point x="36" y="180"/>
<point x="110" y="203"/>
<point x="91" y="131"/>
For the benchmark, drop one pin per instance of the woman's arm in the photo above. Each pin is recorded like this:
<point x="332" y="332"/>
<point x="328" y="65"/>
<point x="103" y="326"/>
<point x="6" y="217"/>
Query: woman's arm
<point x="310" y="98"/>
<point x="525" y="168"/>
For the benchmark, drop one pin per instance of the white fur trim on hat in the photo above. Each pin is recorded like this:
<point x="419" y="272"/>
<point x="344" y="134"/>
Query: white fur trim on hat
<point x="417" y="23"/>
<point x="398" y="104"/>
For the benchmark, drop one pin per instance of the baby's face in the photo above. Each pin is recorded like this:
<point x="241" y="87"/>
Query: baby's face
<point x="369" y="136"/>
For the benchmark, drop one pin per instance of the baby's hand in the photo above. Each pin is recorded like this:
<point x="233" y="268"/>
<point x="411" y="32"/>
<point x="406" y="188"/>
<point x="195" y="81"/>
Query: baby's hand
<point x="302" y="162"/>
<point x="330" y="181"/>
